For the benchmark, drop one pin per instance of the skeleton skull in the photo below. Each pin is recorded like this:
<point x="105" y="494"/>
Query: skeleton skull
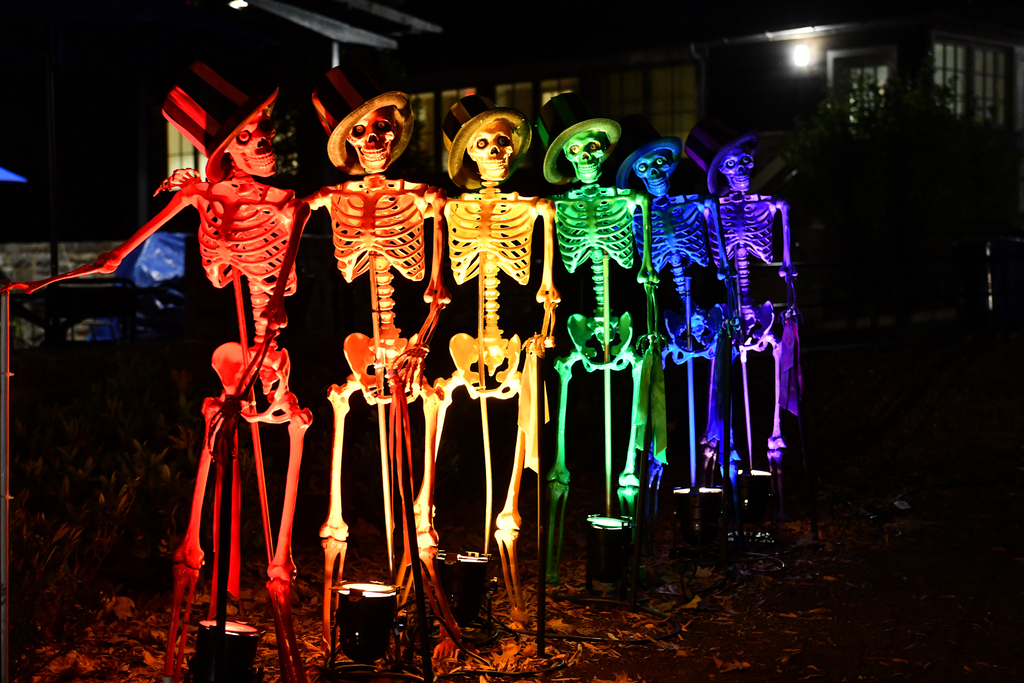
<point x="585" y="151"/>
<point x="491" y="149"/>
<point x="737" y="167"/>
<point x="251" y="150"/>
<point x="371" y="137"/>
<point x="655" y="168"/>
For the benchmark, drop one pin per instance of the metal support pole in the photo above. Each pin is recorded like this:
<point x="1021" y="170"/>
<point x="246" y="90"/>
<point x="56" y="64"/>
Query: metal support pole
<point x="5" y="483"/>
<point x="542" y="532"/>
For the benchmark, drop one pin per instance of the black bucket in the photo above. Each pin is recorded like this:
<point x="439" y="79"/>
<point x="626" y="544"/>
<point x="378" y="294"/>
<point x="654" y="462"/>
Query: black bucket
<point x="463" y="578"/>
<point x="753" y="489"/>
<point x="364" y="618"/>
<point x="608" y="542"/>
<point x="698" y="513"/>
<point x="240" y="644"/>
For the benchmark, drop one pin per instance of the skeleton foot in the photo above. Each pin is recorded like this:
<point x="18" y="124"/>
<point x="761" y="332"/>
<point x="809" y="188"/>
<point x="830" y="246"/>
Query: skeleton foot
<point x="334" y="550"/>
<point x="776" y="448"/>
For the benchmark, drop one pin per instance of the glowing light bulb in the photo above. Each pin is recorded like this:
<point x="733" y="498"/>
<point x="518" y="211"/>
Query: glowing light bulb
<point x="801" y="55"/>
<point x="238" y="4"/>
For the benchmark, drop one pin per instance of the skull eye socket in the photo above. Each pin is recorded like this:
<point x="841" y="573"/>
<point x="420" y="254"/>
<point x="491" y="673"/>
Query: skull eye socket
<point x="641" y="168"/>
<point x="574" y="150"/>
<point x="660" y="161"/>
<point x="358" y="131"/>
<point x="244" y="137"/>
<point x="746" y="160"/>
<point x="481" y="143"/>
<point x="266" y="125"/>
<point x="593" y="146"/>
<point x="382" y="126"/>
<point x="503" y="141"/>
<point x="730" y="163"/>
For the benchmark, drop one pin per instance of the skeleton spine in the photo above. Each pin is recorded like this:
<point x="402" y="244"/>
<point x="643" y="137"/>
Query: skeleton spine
<point x="489" y="272"/>
<point x="681" y="280"/>
<point x="743" y="282"/>
<point x="597" y="264"/>
<point x="382" y="278"/>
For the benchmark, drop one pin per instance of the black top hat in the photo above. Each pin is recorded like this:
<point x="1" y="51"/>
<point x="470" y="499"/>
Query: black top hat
<point x="642" y="137"/>
<point x="465" y="118"/>
<point x="560" y="118"/>
<point x="346" y="94"/>
<point x="709" y="142"/>
<point x="209" y="111"/>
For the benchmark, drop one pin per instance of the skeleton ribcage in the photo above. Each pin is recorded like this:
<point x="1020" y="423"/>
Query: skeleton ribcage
<point x="678" y="232"/>
<point x="587" y="226"/>
<point x="502" y="229"/>
<point x="746" y="222"/>
<point x="389" y="226"/>
<point x="254" y="246"/>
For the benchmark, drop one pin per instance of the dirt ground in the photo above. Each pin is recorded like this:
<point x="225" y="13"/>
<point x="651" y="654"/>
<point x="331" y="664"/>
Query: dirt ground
<point x="918" y="451"/>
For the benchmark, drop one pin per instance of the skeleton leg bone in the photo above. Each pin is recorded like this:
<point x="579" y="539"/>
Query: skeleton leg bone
<point x="334" y="531"/>
<point x="507" y="535"/>
<point x="776" y="443"/>
<point x="558" y="476"/>
<point x="629" y="483"/>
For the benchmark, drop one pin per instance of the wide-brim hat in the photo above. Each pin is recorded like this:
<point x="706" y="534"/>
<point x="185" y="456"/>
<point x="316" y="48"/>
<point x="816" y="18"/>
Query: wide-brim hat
<point x="709" y="142"/>
<point x="639" y="134"/>
<point x="342" y="97"/>
<point x="209" y="111"/>
<point x="561" y="117"/>
<point x="464" y="119"/>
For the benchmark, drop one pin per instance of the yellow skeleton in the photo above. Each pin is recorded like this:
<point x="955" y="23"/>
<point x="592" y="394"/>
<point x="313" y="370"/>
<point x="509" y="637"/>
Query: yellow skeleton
<point x="488" y="232"/>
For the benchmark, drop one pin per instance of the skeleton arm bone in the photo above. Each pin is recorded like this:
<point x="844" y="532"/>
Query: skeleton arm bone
<point x="109" y="261"/>
<point x="547" y="294"/>
<point x="787" y="270"/>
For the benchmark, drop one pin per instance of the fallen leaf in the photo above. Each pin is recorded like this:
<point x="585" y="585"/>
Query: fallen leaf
<point x="788" y="614"/>
<point x="150" y="659"/>
<point x="733" y="665"/>
<point x="559" y="625"/>
<point x="692" y="604"/>
<point x="830" y="578"/>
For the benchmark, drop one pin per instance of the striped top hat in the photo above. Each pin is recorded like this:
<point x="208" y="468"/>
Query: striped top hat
<point x="709" y="142"/>
<point x="209" y="111"/>
<point x="642" y="138"/>
<point x="560" y="118"/>
<point x="463" y="120"/>
<point x="343" y="96"/>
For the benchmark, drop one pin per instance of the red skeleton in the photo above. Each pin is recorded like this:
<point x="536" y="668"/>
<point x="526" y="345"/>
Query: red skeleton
<point x="246" y="229"/>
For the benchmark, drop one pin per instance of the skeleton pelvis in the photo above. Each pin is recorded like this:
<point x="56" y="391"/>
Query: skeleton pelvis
<point x="497" y="353"/>
<point x="363" y="357"/>
<point x="583" y="330"/>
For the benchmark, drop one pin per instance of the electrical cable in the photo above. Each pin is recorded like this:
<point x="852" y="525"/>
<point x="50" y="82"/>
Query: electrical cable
<point x="601" y="639"/>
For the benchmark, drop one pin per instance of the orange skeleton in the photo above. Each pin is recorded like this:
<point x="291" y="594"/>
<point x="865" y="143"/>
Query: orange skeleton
<point x="378" y="225"/>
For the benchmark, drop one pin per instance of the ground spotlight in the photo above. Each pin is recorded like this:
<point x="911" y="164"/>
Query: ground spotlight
<point x="608" y="540"/>
<point x="753" y="489"/>
<point x="240" y="644"/>
<point x="464" y="578"/>
<point x="365" y="615"/>
<point x="697" y="513"/>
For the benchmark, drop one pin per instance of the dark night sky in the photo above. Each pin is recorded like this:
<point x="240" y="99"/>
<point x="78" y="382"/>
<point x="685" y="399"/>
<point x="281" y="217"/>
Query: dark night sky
<point x="108" y="47"/>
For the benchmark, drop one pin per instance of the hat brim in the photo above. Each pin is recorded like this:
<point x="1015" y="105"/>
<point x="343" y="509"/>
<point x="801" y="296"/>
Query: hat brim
<point x="671" y="143"/>
<point x="714" y="177"/>
<point x="557" y="169"/>
<point x="462" y="170"/>
<point x="216" y="169"/>
<point x="346" y="160"/>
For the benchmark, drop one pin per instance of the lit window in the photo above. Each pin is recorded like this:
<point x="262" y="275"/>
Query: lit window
<point x="425" y="128"/>
<point x="951" y="73"/>
<point x="518" y="96"/>
<point x="181" y="153"/>
<point x="859" y="75"/>
<point x="556" y="86"/>
<point x="622" y="93"/>
<point x="674" y="99"/>
<point x="989" y="86"/>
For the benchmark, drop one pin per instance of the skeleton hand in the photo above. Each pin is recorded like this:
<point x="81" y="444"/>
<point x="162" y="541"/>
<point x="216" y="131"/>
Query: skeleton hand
<point x="178" y="180"/>
<point x="437" y="294"/>
<point x="276" y="319"/>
